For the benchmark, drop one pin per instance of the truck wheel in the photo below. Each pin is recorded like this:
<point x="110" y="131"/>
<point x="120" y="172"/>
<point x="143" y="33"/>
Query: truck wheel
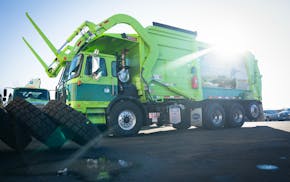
<point x="11" y="133"/>
<point x="214" y="116"/>
<point x="125" y="118"/>
<point x="74" y="124"/>
<point x="37" y="123"/>
<point x="235" y="116"/>
<point x="254" y="111"/>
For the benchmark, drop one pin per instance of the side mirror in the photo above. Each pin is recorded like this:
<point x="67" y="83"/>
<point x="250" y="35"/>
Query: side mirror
<point x="5" y="92"/>
<point x="95" y="64"/>
<point x="96" y="67"/>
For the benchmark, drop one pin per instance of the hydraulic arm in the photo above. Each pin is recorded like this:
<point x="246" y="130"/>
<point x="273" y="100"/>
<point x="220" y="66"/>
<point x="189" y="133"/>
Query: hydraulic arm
<point x="87" y="33"/>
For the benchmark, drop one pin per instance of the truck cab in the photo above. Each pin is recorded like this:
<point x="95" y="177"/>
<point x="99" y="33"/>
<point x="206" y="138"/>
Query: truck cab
<point x="89" y="83"/>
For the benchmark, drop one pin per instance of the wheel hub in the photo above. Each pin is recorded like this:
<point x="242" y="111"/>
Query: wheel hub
<point x="127" y="120"/>
<point x="217" y="117"/>
<point x="238" y="116"/>
<point x="254" y="110"/>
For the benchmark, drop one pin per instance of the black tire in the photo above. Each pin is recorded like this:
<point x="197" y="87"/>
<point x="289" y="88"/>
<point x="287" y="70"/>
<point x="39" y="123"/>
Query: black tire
<point x="254" y="111"/>
<point x="11" y="133"/>
<point x="235" y="116"/>
<point x="36" y="122"/>
<point x="213" y="116"/>
<point x="125" y="118"/>
<point x="74" y="124"/>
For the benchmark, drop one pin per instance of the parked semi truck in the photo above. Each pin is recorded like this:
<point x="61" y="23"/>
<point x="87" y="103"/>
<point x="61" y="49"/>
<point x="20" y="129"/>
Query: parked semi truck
<point x="159" y="74"/>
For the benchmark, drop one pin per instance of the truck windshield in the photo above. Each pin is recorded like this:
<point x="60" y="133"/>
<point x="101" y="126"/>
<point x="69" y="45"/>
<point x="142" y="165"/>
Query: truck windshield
<point x="75" y="67"/>
<point x="31" y="93"/>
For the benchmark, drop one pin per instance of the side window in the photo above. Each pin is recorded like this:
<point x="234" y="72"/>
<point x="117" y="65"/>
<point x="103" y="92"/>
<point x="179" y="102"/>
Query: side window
<point x="103" y="67"/>
<point x="96" y="66"/>
<point x="114" y="68"/>
<point x="88" y="69"/>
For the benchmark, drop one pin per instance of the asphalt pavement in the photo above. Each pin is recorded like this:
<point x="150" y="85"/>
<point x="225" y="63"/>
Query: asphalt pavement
<point x="259" y="151"/>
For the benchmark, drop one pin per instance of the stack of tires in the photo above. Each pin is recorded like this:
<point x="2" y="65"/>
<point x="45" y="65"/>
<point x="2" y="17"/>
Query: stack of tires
<point x="51" y="125"/>
<point x="12" y="133"/>
<point x="26" y="120"/>
<point x="74" y="124"/>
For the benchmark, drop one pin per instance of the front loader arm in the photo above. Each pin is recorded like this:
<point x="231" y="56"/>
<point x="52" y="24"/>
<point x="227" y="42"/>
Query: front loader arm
<point x="91" y="32"/>
<point x="88" y="32"/>
<point x="55" y="67"/>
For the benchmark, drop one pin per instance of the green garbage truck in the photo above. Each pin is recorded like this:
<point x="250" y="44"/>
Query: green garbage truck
<point x="159" y="74"/>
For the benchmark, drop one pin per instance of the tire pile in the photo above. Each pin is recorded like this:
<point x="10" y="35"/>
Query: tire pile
<point x="52" y="125"/>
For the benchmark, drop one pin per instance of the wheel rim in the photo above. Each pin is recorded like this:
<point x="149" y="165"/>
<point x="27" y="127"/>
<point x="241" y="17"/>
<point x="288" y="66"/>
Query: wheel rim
<point x="217" y="117"/>
<point x="254" y="110"/>
<point x="238" y="116"/>
<point x="127" y="120"/>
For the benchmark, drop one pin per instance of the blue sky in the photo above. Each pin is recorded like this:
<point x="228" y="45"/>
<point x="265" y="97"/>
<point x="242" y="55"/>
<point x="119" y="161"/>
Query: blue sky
<point x="262" y="27"/>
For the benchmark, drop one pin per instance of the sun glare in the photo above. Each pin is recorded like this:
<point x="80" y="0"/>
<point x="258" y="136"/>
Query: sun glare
<point x="231" y="41"/>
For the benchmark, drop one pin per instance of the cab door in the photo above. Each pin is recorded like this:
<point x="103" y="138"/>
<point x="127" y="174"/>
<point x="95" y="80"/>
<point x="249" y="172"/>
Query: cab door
<point x="100" y="78"/>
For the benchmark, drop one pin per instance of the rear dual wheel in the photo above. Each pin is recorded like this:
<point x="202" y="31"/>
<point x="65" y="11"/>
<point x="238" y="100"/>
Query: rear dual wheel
<point x="254" y="111"/>
<point x="235" y="116"/>
<point x="214" y="116"/>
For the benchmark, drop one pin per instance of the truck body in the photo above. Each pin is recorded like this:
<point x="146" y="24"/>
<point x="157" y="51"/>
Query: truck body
<point x="159" y="74"/>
